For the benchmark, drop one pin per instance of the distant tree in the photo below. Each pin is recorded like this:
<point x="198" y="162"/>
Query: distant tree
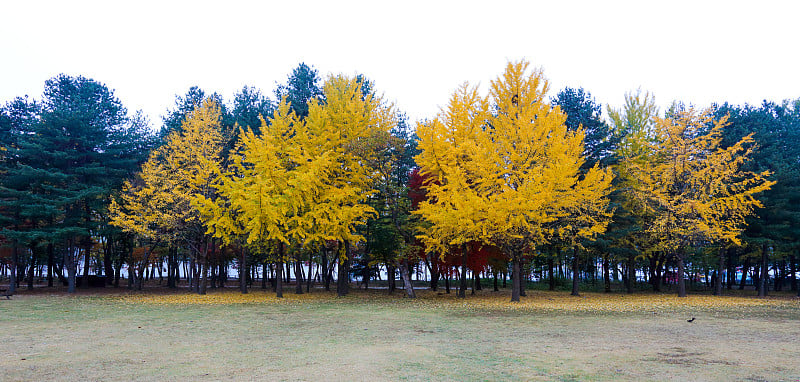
<point x="301" y="87"/>
<point x="250" y="107"/>
<point x="775" y="128"/>
<point x="194" y="97"/>
<point x="583" y="112"/>
<point x="632" y="126"/>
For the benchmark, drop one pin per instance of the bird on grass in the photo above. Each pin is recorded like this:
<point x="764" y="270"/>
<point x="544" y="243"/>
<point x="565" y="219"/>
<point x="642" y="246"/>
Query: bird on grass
<point x="690" y="320"/>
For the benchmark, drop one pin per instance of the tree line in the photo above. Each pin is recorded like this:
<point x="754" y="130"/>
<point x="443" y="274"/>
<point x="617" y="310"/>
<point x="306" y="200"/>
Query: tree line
<point x="328" y="182"/>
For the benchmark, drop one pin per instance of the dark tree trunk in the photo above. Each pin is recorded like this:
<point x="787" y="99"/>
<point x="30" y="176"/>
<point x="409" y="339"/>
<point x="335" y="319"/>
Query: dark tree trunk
<point x="631" y="277"/>
<point x="310" y="278"/>
<point x="763" y="273"/>
<point x="447" y="281"/>
<point x="51" y="260"/>
<point x="494" y="273"/>
<point x="606" y="274"/>
<point x="551" y="263"/>
<point x="243" y="270"/>
<point x="434" y="273"/>
<point x="515" y="278"/>
<point x="298" y="288"/>
<point x="731" y="275"/>
<point x="279" y="279"/>
<point x="71" y="265"/>
<point x="523" y="279"/>
<point x="390" y="270"/>
<point x="745" y="269"/>
<point x="107" y="264"/>
<point x="325" y="274"/>
<point x="792" y="273"/>
<point x="462" y="288"/>
<point x="86" y="258"/>
<point x="264" y="276"/>
<point x="31" y="268"/>
<point x="404" y="273"/>
<point x="681" y="272"/>
<point x="575" y="272"/>
<point x="343" y="281"/>
<point x="720" y="267"/>
<point x="12" y="278"/>
<point x="203" y="285"/>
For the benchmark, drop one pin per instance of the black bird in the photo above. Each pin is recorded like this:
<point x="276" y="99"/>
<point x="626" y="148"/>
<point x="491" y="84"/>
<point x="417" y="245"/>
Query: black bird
<point x="690" y="320"/>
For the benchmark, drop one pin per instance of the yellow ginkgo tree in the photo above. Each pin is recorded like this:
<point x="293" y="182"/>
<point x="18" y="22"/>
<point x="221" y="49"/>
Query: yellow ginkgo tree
<point x="507" y="175"/>
<point x="157" y="206"/>
<point x="302" y="182"/>
<point x="693" y="190"/>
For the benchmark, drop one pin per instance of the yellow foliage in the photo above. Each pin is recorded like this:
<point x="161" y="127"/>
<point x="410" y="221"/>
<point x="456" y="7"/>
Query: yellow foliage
<point x="157" y="204"/>
<point x="537" y="301"/>
<point x="505" y="177"/>
<point x="692" y="189"/>
<point x="303" y="181"/>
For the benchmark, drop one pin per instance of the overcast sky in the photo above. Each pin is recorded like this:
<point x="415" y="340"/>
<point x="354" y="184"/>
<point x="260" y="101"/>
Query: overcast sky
<point x="416" y="52"/>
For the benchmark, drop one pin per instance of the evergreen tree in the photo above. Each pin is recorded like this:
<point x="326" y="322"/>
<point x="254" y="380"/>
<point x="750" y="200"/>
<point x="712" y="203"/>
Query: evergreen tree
<point x="301" y="87"/>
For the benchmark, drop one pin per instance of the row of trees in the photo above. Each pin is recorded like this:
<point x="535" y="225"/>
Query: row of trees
<point x="331" y="175"/>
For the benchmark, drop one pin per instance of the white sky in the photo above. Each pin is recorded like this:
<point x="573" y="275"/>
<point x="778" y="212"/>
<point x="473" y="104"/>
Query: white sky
<point x="416" y="52"/>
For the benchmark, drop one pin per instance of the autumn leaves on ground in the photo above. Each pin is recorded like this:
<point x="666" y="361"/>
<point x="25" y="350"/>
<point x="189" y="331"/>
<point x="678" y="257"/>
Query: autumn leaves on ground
<point x="372" y="335"/>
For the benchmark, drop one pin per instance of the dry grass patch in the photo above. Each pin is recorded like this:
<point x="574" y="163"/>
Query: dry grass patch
<point x="370" y="335"/>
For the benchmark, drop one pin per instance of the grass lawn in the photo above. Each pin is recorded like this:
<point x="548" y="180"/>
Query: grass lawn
<point x="116" y="335"/>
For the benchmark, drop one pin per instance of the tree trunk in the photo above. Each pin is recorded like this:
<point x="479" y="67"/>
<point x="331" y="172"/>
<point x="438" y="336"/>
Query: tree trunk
<point x="325" y="274"/>
<point x="203" y="285"/>
<point x="343" y="281"/>
<point x="86" y="258"/>
<point x="71" y="265"/>
<point x="50" y="261"/>
<point x="631" y="277"/>
<point x="279" y="279"/>
<point x="792" y="273"/>
<point x="409" y="287"/>
<point x="434" y="272"/>
<point x="551" y="277"/>
<point x="606" y="274"/>
<point x="107" y="264"/>
<point x="31" y="268"/>
<point x="298" y="288"/>
<point x="720" y="267"/>
<point x="12" y="278"/>
<point x="515" y="278"/>
<point x="494" y="273"/>
<point x="243" y="270"/>
<point x="681" y="271"/>
<point x="447" y="281"/>
<point x="462" y="288"/>
<point x="745" y="269"/>
<point x="575" y="272"/>
<point x="390" y="269"/>
<point x="763" y="273"/>
<point x="523" y="281"/>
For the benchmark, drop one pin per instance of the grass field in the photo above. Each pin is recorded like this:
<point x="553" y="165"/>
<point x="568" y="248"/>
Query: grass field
<point x="114" y="335"/>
